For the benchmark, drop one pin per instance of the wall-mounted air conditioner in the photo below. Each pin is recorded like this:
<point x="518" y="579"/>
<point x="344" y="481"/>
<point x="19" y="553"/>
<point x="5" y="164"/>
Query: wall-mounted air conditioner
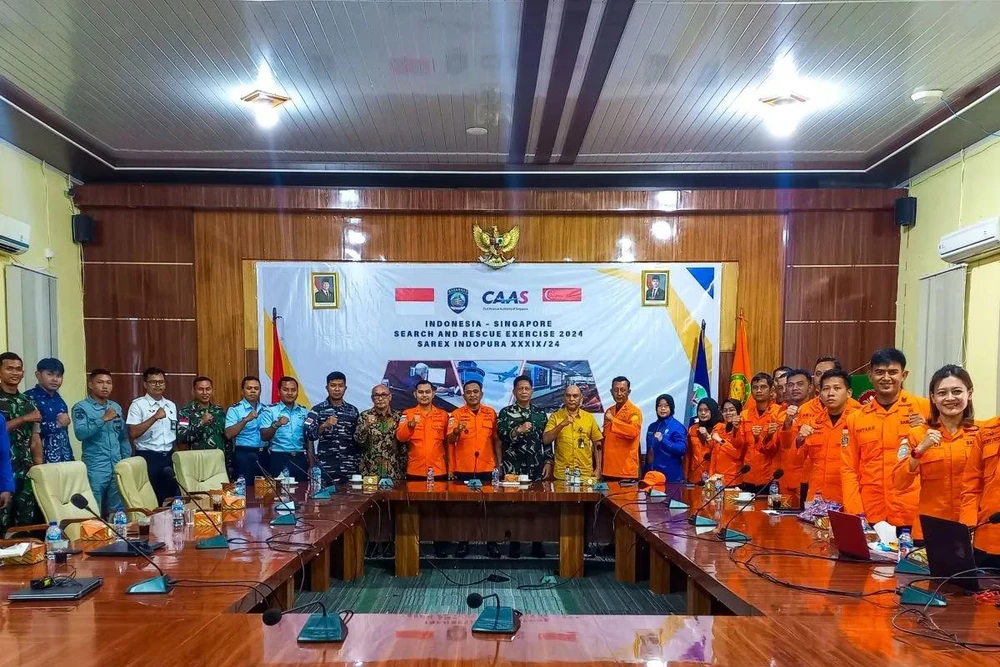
<point x="971" y="243"/>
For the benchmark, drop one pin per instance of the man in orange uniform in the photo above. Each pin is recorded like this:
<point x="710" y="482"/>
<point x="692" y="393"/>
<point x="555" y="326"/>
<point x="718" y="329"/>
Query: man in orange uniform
<point x="780" y="376"/>
<point x="874" y="434"/>
<point x="759" y="422"/>
<point x="814" y="407"/>
<point x="798" y="386"/>
<point x="475" y="447"/>
<point x="622" y="428"/>
<point x="823" y="437"/>
<point x="981" y="492"/>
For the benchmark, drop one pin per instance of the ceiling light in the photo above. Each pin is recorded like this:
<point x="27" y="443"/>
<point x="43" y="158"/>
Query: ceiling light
<point x="786" y="98"/>
<point x="476" y="131"/>
<point x="923" y="97"/>
<point x="264" y="97"/>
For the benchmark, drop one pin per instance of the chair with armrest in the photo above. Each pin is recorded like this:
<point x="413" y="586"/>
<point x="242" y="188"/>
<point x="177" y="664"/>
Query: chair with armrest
<point x="201" y="471"/>
<point x="136" y="491"/>
<point x="54" y="485"/>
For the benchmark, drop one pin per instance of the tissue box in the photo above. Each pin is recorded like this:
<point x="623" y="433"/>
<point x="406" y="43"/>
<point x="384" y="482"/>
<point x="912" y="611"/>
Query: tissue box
<point x="93" y="530"/>
<point x="231" y="501"/>
<point x="264" y="488"/>
<point x="34" y="554"/>
<point x="207" y="519"/>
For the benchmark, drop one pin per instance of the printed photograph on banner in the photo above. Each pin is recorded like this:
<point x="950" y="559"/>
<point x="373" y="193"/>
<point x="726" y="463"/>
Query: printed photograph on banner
<point x="654" y="285"/>
<point x="325" y="290"/>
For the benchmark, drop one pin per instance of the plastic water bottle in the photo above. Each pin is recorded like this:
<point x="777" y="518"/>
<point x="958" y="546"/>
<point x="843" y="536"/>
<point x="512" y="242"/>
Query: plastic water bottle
<point x="567" y="476"/>
<point x="905" y="544"/>
<point x="706" y="490"/>
<point x="177" y="513"/>
<point x="53" y="540"/>
<point x="430" y="477"/>
<point x="577" y="476"/>
<point x="774" y="496"/>
<point x="317" y="476"/>
<point x="285" y="474"/>
<point x="496" y="478"/>
<point x="818" y="504"/>
<point x="120" y="522"/>
<point x="241" y="487"/>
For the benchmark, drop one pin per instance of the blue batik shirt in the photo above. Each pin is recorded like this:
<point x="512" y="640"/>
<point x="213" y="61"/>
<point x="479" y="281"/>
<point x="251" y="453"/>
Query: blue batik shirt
<point x="55" y="438"/>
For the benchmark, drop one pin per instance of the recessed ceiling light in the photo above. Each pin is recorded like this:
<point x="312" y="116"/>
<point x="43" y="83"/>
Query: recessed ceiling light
<point x="264" y="98"/>
<point x="785" y="98"/>
<point x="476" y="131"/>
<point x="923" y="97"/>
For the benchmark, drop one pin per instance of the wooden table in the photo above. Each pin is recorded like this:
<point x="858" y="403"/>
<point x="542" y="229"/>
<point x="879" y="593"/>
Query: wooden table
<point x="451" y="511"/>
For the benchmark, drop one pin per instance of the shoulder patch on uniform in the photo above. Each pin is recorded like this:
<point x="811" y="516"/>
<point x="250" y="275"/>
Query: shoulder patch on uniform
<point x="79" y="413"/>
<point x="634" y="419"/>
<point x="904" y="451"/>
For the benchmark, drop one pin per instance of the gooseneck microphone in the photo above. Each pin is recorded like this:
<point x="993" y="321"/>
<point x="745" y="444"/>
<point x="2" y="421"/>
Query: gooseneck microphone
<point x="475" y="600"/>
<point x="695" y="519"/>
<point x="156" y="585"/>
<point x="318" y="628"/>
<point x="991" y="519"/>
<point x="499" y="620"/>
<point x="332" y="488"/>
<point x="212" y="542"/>
<point x="705" y="459"/>
<point x="724" y="532"/>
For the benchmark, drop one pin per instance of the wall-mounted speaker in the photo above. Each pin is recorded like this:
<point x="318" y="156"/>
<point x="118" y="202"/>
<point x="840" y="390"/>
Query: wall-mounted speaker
<point x="83" y="229"/>
<point x="906" y="211"/>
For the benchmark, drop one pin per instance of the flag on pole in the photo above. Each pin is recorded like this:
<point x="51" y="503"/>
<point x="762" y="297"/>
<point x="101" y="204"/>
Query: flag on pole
<point x="700" y="383"/>
<point x="739" y="377"/>
<point x="277" y="359"/>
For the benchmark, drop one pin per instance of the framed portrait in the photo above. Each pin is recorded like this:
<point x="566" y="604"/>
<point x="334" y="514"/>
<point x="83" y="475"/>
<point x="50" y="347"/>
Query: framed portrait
<point x="325" y="290"/>
<point x="655" y="287"/>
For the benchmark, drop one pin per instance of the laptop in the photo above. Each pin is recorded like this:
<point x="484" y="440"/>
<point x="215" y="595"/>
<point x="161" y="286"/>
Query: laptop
<point x="123" y="550"/>
<point x="65" y="589"/>
<point x="849" y="538"/>
<point x="949" y="551"/>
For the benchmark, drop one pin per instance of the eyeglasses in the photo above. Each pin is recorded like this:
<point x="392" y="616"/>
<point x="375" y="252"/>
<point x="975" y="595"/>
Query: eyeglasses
<point x="381" y="395"/>
<point x="156" y="383"/>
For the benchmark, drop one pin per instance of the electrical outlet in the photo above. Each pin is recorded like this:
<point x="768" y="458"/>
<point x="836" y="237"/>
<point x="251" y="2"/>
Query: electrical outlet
<point x="49" y="253"/>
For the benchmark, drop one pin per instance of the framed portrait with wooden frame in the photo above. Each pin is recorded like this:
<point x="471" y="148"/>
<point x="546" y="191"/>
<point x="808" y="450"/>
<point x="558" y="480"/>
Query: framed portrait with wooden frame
<point x="325" y="290"/>
<point x="655" y="285"/>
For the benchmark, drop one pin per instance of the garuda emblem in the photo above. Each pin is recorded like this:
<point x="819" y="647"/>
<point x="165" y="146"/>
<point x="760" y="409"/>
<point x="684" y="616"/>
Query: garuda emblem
<point x="495" y="246"/>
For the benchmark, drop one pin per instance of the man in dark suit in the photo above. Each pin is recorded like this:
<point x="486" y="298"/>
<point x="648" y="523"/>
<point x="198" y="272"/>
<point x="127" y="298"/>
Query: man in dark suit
<point x="325" y="295"/>
<point x="655" y="293"/>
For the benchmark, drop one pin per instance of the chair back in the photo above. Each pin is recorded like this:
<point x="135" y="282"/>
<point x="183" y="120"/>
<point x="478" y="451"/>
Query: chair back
<point x="55" y="484"/>
<point x="201" y="469"/>
<point x="132" y="478"/>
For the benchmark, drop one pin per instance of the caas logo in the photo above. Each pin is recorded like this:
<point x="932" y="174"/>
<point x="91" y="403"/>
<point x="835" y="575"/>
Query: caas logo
<point x="458" y="299"/>
<point x="512" y="297"/>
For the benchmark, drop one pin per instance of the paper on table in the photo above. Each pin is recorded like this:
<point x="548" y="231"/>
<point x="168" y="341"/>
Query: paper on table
<point x="886" y="532"/>
<point x="15" y="550"/>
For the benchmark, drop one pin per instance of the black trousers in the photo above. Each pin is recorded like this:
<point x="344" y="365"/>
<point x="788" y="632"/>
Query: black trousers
<point x="163" y="486"/>
<point x="248" y="461"/>
<point x="296" y="463"/>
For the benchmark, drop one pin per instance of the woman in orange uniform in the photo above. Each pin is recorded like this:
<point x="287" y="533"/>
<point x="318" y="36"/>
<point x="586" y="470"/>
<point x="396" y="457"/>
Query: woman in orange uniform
<point x="698" y="440"/>
<point x="937" y="452"/>
<point x="728" y="444"/>
<point x="981" y="492"/>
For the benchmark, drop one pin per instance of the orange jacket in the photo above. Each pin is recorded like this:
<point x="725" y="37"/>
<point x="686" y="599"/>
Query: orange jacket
<point x="981" y="486"/>
<point x="762" y="452"/>
<point x="809" y="412"/>
<point x="823" y="451"/>
<point x="480" y="430"/>
<point x="426" y="440"/>
<point x="727" y="456"/>
<point x="873" y="445"/>
<point x="694" y="461"/>
<point x="791" y="458"/>
<point x="621" y="442"/>
<point x="939" y="474"/>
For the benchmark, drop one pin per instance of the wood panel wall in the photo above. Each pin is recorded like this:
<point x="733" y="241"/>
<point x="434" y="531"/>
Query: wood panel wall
<point x="164" y="278"/>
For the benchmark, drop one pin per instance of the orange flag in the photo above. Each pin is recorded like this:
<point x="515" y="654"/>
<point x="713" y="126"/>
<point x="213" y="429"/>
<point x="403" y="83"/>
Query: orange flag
<point x="739" y="386"/>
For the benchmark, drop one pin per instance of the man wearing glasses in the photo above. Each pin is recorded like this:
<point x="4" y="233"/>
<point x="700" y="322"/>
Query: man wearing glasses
<point x="152" y="426"/>
<point x="576" y="435"/>
<point x="330" y="428"/>
<point x="381" y="453"/>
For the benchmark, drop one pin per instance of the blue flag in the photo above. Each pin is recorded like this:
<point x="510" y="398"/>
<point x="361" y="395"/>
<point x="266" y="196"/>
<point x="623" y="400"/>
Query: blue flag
<point x="700" y="383"/>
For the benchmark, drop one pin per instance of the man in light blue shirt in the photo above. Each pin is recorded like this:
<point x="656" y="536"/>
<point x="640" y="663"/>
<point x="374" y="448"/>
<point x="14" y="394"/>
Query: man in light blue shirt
<point x="283" y="426"/>
<point x="100" y="427"/>
<point x="243" y="428"/>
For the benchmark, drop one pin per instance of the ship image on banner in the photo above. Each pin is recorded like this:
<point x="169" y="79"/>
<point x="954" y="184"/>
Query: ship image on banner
<point x="560" y="324"/>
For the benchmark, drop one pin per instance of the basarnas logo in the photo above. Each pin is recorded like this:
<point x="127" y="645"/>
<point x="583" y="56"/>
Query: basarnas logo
<point x="458" y="299"/>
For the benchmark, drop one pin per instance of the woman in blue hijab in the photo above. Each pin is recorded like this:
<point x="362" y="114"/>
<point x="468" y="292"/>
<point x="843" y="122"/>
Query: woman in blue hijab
<point x="666" y="441"/>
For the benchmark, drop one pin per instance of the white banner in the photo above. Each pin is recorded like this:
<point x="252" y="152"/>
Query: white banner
<point x="395" y="324"/>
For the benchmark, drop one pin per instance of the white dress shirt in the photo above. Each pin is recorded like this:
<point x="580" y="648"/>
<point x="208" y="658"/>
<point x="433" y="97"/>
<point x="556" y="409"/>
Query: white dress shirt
<point x="161" y="435"/>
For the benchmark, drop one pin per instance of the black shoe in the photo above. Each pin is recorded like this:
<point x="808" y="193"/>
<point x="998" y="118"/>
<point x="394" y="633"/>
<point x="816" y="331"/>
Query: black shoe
<point x="537" y="550"/>
<point x="514" y="550"/>
<point x="462" y="550"/>
<point x="441" y="550"/>
<point x="390" y="551"/>
<point x="492" y="550"/>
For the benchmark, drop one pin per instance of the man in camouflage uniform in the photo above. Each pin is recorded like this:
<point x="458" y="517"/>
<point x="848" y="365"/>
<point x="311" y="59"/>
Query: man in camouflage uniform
<point x="23" y="420"/>
<point x="381" y="453"/>
<point x="201" y="424"/>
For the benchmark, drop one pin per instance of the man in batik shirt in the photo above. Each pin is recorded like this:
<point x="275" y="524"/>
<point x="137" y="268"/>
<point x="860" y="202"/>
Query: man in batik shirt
<point x="54" y="427"/>
<point x="520" y="427"/>
<point x="381" y="454"/>
<point x="23" y="420"/>
<point x="329" y="430"/>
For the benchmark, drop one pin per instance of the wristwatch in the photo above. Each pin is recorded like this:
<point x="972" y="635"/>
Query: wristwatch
<point x="915" y="454"/>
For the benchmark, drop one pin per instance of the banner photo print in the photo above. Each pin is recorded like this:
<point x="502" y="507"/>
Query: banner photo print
<point x="560" y="324"/>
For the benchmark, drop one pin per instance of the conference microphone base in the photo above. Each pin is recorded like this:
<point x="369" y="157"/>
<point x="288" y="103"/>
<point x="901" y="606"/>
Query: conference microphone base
<point x="915" y="596"/>
<point x="322" y="629"/>
<point x="155" y="586"/>
<point x="700" y="521"/>
<point x="283" y="520"/>
<point x="678" y="505"/>
<point x="474" y="485"/>
<point x="601" y="486"/>
<point x="385" y="483"/>
<point x="324" y="494"/>
<point x="907" y="566"/>
<point x="217" y="542"/>
<point x="497" y="621"/>
<point x="728" y="535"/>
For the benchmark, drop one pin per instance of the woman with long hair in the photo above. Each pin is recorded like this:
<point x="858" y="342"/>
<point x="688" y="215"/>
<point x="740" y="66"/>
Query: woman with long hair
<point x="699" y="436"/>
<point x="934" y="454"/>
<point x="666" y="442"/>
<point x="728" y="445"/>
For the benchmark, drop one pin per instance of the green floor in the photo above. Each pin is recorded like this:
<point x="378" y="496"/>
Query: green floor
<point x="379" y="592"/>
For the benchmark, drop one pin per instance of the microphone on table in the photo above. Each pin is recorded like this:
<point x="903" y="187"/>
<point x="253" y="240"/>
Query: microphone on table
<point x="218" y="542"/>
<point x="705" y="459"/>
<point x="318" y="628"/>
<point x="475" y="483"/>
<point x="991" y="519"/>
<point x="727" y="535"/>
<point x="287" y="519"/>
<point x="499" y="620"/>
<point x="322" y="494"/>
<point x="696" y="519"/>
<point x="157" y="585"/>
